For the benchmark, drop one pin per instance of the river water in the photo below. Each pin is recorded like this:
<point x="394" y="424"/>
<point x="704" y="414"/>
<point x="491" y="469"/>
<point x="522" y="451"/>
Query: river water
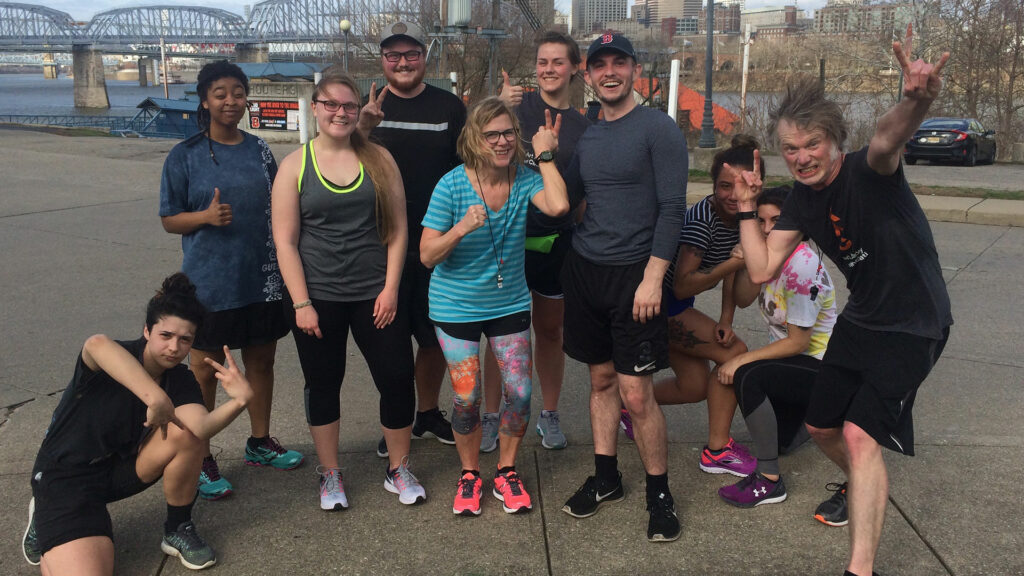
<point x="33" y="94"/>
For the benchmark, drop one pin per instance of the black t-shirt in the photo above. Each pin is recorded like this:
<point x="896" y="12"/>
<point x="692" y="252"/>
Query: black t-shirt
<point x="872" y="227"/>
<point x="98" y="417"/>
<point x="421" y="133"/>
<point x="531" y="117"/>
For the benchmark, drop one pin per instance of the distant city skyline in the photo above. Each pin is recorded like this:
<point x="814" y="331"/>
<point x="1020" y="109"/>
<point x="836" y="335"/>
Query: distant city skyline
<point x="86" y="10"/>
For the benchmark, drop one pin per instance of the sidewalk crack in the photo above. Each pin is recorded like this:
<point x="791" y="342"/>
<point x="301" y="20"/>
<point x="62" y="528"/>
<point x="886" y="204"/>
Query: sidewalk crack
<point x="543" y="518"/>
<point x="924" y="540"/>
<point x="1006" y="229"/>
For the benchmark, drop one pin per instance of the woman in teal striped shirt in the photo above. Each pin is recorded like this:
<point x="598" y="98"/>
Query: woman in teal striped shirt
<point x="474" y="235"/>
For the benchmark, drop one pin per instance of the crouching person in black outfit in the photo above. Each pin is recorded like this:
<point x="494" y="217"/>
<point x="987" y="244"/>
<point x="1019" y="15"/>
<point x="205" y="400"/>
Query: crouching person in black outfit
<point x="131" y="414"/>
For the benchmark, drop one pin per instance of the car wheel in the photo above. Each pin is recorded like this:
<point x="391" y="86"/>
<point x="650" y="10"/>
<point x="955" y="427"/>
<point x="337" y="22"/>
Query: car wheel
<point x="971" y="159"/>
<point x="910" y="160"/>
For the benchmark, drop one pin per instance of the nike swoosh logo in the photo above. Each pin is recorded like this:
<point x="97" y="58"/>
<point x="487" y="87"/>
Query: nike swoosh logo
<point x="644" y="367"/>
<point x="603" y="496"/>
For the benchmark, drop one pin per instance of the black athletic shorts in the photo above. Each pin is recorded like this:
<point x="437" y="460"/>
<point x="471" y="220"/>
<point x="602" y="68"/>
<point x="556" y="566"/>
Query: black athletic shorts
<point x="503" y="326"/>
<point x="71" y="501"/>
<point x="252" y="325"/>
<point x="412" y="295"/>
<point x="870" y="378"/>
<point x="544" y="269"/>
<point x="599" y="323"/>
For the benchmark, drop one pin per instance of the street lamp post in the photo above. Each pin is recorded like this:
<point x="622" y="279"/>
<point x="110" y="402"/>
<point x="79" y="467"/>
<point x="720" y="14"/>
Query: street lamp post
<point x="345" y="26"/>
<point x="707" y="125"/>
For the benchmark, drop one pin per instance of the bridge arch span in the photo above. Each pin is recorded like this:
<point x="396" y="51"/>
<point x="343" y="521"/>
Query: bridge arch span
<point x="29" y="23"/>
<point x="148" y="24"/>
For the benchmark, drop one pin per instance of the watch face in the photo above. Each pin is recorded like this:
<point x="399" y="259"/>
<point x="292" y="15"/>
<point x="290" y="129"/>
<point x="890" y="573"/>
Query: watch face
<point x="545" y="156"/>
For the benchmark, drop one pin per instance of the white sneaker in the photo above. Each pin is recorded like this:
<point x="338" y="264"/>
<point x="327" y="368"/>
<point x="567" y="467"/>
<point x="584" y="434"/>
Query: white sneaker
<point x="402" y="482"/>
<point x="332" y="491"/>
<point x="489" y="427"/>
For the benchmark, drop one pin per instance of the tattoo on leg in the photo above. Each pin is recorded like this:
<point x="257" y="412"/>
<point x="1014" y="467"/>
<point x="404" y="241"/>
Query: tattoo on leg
<point x="677" y="332"/>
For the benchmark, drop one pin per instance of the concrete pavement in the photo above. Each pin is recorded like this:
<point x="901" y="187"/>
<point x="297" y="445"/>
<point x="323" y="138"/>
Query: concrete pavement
<point x="84" y="250"/>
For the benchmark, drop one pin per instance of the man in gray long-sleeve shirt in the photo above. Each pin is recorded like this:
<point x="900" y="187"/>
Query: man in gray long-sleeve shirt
<point x="631" y="168"/>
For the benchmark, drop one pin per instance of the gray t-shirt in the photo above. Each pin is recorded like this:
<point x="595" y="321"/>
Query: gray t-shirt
<point x="339" y="244"/>
<point x="632" y="173"/>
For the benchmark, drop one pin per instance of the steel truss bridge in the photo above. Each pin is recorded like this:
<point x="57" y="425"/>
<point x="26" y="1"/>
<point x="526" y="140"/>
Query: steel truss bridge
<point x="34" y="28"/>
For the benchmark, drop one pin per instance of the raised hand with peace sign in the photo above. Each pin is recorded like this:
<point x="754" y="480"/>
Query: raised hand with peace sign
<point x="372" y="113"/>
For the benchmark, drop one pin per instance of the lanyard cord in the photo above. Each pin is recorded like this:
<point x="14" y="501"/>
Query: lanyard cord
<point x="499" y="259"/>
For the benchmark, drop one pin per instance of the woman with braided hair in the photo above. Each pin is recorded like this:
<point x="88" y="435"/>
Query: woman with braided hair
<point x="215" y="192"/>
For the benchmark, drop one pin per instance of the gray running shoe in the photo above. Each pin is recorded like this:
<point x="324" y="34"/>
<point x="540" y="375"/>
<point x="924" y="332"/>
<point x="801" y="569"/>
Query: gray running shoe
<point x="332" y="490"/>
<point x="489" y="427"/>
<point x="833" y="511"/>
<point x="550" y="430"/>
<point x="402" y="482"/>
<point x="186" y="544"/>
<point x="29" y="544"/>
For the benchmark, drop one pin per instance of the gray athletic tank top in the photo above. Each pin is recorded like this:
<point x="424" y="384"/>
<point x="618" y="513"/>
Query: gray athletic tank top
<point x="341" y="250"/>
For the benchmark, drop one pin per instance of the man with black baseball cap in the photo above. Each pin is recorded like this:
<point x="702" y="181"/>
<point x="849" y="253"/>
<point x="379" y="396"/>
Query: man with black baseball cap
<point x="631" y="168"/>
<point x="419" y="125"/>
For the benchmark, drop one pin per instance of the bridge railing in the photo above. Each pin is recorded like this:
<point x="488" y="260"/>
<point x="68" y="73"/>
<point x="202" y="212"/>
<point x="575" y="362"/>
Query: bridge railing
<point x="120" y="125"/>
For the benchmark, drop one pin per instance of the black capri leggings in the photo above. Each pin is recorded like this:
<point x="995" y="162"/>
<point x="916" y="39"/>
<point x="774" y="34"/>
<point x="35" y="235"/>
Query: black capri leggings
<point x="773" y="396"/>
<point x="388" y="354"/>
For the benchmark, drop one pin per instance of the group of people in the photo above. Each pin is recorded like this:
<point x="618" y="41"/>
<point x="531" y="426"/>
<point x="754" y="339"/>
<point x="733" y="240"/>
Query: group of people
<point x="407" y="217"/>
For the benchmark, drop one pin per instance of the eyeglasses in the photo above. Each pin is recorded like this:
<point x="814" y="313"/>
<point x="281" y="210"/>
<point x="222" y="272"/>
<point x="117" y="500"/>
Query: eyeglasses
<point x="508" y="135"/>
<point x="409" y="55"/>
<point x="332" y="106"/>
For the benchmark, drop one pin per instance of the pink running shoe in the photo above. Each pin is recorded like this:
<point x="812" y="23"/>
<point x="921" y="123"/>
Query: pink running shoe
<point x="626" y="423"/>
<point x="734" y="459"/>
<point x="508" y="488"/>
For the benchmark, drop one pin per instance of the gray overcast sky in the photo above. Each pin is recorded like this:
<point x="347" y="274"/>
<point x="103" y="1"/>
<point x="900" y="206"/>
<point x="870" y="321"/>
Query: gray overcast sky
<point x="85" y="9"/>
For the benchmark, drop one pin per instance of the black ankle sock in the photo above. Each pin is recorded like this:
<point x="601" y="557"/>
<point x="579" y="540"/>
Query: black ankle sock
<point x="657" y="484"/>
<point x="848" y="573"/>
<point x="607" y="468"/>
<point x="473" y="472"/>
<point x="717" y="452"/>
<point x="177" y="515"/>
<point x="505" y="470"/>
<point x="254" y="442"/>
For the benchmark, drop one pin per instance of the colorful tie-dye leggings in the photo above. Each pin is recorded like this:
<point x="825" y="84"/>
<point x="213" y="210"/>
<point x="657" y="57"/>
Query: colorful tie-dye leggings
<point x="516" y="366"/>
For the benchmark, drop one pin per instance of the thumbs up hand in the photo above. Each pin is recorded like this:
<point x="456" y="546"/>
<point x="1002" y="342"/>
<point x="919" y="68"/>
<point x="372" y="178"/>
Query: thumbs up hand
<point x="510" y="95"/>
<point x="218" y="213"/>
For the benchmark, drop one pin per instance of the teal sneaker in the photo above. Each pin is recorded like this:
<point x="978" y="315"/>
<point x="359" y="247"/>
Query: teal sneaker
<point x="211" y="485"/>
<point x="270" y="453"/>
<point x="185" y="543"/>
<point x="29" y="544"/>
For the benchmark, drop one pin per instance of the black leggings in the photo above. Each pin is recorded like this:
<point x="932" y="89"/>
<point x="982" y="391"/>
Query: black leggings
<point x="773" y="396"/>
<point x="388" y="354"/>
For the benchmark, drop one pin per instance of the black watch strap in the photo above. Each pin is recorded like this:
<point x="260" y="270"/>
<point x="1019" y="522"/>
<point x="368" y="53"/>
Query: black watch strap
<point x="752" y="215"/>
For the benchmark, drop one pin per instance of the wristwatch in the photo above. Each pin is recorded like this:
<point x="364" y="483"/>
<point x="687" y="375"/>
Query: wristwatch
<point x="752" y="215"/>
<point x="546" y="156"/>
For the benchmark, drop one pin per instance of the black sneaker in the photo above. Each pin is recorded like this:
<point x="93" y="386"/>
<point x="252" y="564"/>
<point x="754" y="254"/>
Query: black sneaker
<point x="585" y="502"/>
<point x="664" y="524"/>
<point x="382" y="448"/>
<point x="29" y="544"/>
<point x="432" y="424"/>
<point x="833" y="511"/>
<point x="186" y="544"/>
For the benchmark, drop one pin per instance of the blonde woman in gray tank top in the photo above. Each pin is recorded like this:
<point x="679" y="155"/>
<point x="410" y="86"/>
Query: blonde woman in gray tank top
<point x="338" y="216"/>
